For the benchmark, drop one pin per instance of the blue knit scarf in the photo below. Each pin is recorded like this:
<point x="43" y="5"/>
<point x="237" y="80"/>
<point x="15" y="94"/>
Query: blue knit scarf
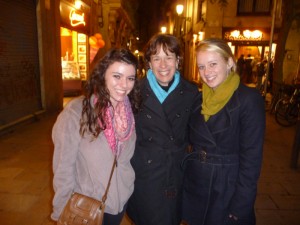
<point x="160" y="93"/>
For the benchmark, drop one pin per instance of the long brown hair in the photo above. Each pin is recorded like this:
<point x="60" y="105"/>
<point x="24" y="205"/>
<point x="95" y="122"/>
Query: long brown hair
<point x="96" y="85"/>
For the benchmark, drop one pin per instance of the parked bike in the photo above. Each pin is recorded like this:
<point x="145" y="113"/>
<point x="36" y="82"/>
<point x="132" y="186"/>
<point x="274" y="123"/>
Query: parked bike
<point x="287" y="109"/>
<point x="283" y="91"/>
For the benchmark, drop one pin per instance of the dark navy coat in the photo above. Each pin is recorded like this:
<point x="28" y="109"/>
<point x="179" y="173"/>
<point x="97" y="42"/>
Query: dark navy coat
<point x="221" y="173"/>
<point x="160" y="147"/>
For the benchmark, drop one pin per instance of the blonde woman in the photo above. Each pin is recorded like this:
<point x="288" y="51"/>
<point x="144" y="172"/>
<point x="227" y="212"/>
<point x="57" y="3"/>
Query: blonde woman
<point x="227" y="134"/>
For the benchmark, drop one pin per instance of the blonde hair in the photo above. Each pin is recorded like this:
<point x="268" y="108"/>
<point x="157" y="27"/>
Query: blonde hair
<point x="220" y="46"/>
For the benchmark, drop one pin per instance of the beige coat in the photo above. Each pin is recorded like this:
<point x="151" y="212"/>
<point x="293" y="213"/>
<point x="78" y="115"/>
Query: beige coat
<point x="81" y="165"/>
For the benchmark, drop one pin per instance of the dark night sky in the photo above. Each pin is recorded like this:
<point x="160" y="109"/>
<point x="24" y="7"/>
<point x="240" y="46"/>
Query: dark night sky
<point x="149" y="15"/>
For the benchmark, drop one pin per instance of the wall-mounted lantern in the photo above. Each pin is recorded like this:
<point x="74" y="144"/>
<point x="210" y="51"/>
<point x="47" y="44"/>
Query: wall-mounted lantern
<point x="163" y="29"/>
<point x="100" y="21"/>
<point x="180" y="21"/>
<point x="179" y="11"/>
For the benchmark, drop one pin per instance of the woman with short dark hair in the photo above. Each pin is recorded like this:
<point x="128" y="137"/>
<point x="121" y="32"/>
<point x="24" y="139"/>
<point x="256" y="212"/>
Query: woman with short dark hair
<point x="162" y="139"/>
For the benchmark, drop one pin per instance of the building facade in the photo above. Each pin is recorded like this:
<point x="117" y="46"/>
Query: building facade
<point x="250" y="28"/>
<point x="47" y="50"/>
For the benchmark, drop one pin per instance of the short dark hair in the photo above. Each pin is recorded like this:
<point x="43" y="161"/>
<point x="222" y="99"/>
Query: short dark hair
<point x="168" y="43"/>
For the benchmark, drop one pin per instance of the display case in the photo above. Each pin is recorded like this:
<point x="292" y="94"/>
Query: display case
<point x="72" y="83"/>
<point x="70" y="70"/>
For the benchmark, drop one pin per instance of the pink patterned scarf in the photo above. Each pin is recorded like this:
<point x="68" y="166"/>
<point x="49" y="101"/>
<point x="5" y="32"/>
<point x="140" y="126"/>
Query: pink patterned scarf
<point x="119" y="125"/>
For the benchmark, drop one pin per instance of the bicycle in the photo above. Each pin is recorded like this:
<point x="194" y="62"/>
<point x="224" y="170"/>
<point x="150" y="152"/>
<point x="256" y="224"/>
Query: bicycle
<point x="287" y="109"/>
<point x="284" y="90"/>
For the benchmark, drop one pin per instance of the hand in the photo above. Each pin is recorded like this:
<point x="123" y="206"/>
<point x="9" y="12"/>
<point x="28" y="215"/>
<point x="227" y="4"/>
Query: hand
<point x="233" y="217"/>
<point x="231" y="220"/>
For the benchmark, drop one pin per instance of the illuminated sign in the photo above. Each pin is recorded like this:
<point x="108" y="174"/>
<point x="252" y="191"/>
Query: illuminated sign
<point x="246" y="35"/>
<point x="76" y="18"/>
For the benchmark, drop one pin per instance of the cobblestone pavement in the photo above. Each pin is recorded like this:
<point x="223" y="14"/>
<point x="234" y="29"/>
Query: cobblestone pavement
<point x="26" y="176"/>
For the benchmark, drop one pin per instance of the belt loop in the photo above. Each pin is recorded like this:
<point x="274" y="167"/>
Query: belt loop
<point x="202" y="155"/>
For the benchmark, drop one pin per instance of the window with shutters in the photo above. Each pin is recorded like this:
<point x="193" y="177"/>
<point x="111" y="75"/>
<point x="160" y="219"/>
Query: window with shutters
<point x="254" y="7"/>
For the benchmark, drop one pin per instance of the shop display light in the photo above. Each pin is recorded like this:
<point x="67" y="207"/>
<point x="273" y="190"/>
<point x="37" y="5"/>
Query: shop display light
<point x="257" y="34"/>
<point x="235" y="33"/>
<point x="78" y="4"/>
<point x="246" y="34"/>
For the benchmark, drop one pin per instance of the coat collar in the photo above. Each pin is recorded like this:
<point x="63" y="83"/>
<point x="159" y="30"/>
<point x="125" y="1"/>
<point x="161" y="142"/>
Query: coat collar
<point x="150" y="100"/>
<point x="217" y="123"/>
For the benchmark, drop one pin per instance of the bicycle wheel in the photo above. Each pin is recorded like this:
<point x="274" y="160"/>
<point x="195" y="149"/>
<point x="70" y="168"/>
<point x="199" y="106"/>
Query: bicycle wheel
<point x="285" y="113"/>
<point x="273" y="103"/>
<point x="293" y="112"/>
<point x="276" y="97"/>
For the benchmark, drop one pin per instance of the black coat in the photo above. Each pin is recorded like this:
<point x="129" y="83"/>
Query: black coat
<point x="160" y="147"/>
<point x="221" y="173"/>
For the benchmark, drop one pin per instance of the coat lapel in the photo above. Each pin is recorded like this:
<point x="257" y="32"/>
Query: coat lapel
<point x="216" y="124"/>
<point x="151" y="102"/>
<point x="223" y="119"/>
<point x="199" y="130"/>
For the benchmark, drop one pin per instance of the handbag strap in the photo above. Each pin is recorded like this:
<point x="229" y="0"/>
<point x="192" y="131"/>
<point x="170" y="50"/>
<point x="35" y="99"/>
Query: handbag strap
<point x="110" y="176"/>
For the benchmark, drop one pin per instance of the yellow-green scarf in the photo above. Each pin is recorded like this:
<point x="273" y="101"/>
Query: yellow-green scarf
<point x="215" y="100"/>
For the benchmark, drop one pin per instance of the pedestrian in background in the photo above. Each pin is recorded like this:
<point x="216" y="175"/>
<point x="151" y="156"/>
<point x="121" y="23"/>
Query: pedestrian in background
<point x="94" y="129"/>
<point x="227" y="134"/>
<point x="270" y="76"/>
<point x="248" y="69"/>
<point x="241" y="65"/>
<point x="161" y="135"/>
<point x="261" y="72"/>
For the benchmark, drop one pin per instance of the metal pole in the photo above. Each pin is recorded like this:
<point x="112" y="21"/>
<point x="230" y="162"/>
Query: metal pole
<point x="298" y="67"/>
<point x="270" y="48"/>
<point x="296" y="146"/>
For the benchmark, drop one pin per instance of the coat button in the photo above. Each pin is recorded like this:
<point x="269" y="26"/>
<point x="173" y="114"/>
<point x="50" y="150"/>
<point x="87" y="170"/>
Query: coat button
<point x="171" y="138"/>
<point x="150" y="138"/>
<point x="148" y="116"/>
<point x="177" y="115"/>
<point x="181" y="92"/>
<point x="149" y="161"/>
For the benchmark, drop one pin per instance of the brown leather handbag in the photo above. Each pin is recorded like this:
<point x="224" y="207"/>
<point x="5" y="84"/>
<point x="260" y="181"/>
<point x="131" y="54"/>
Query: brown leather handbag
<point x="83" y="210"/>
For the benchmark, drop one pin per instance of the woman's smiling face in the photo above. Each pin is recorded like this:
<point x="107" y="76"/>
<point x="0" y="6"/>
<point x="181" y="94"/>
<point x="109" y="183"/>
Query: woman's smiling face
<point x="213" y="68"/>
<point x="120" y="79"/>
<point x="163" y="66"/>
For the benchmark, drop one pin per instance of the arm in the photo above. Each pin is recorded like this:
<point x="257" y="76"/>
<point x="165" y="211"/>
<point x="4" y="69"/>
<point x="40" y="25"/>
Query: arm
<point x="65" y="135"/>
<point x="252" y="129"/>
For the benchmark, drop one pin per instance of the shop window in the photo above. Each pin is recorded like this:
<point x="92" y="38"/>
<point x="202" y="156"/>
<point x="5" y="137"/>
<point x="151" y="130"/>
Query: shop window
<point x="254" y="7"/>
<point x="73" y="54"/>
<point x="70" y="70"/>
<point x="73" y="60"/>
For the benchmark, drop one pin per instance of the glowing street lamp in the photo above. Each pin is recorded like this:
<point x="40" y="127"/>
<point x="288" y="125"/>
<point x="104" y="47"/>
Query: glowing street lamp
<point x="179" y="9"/>
<point x="163" y="29"/>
